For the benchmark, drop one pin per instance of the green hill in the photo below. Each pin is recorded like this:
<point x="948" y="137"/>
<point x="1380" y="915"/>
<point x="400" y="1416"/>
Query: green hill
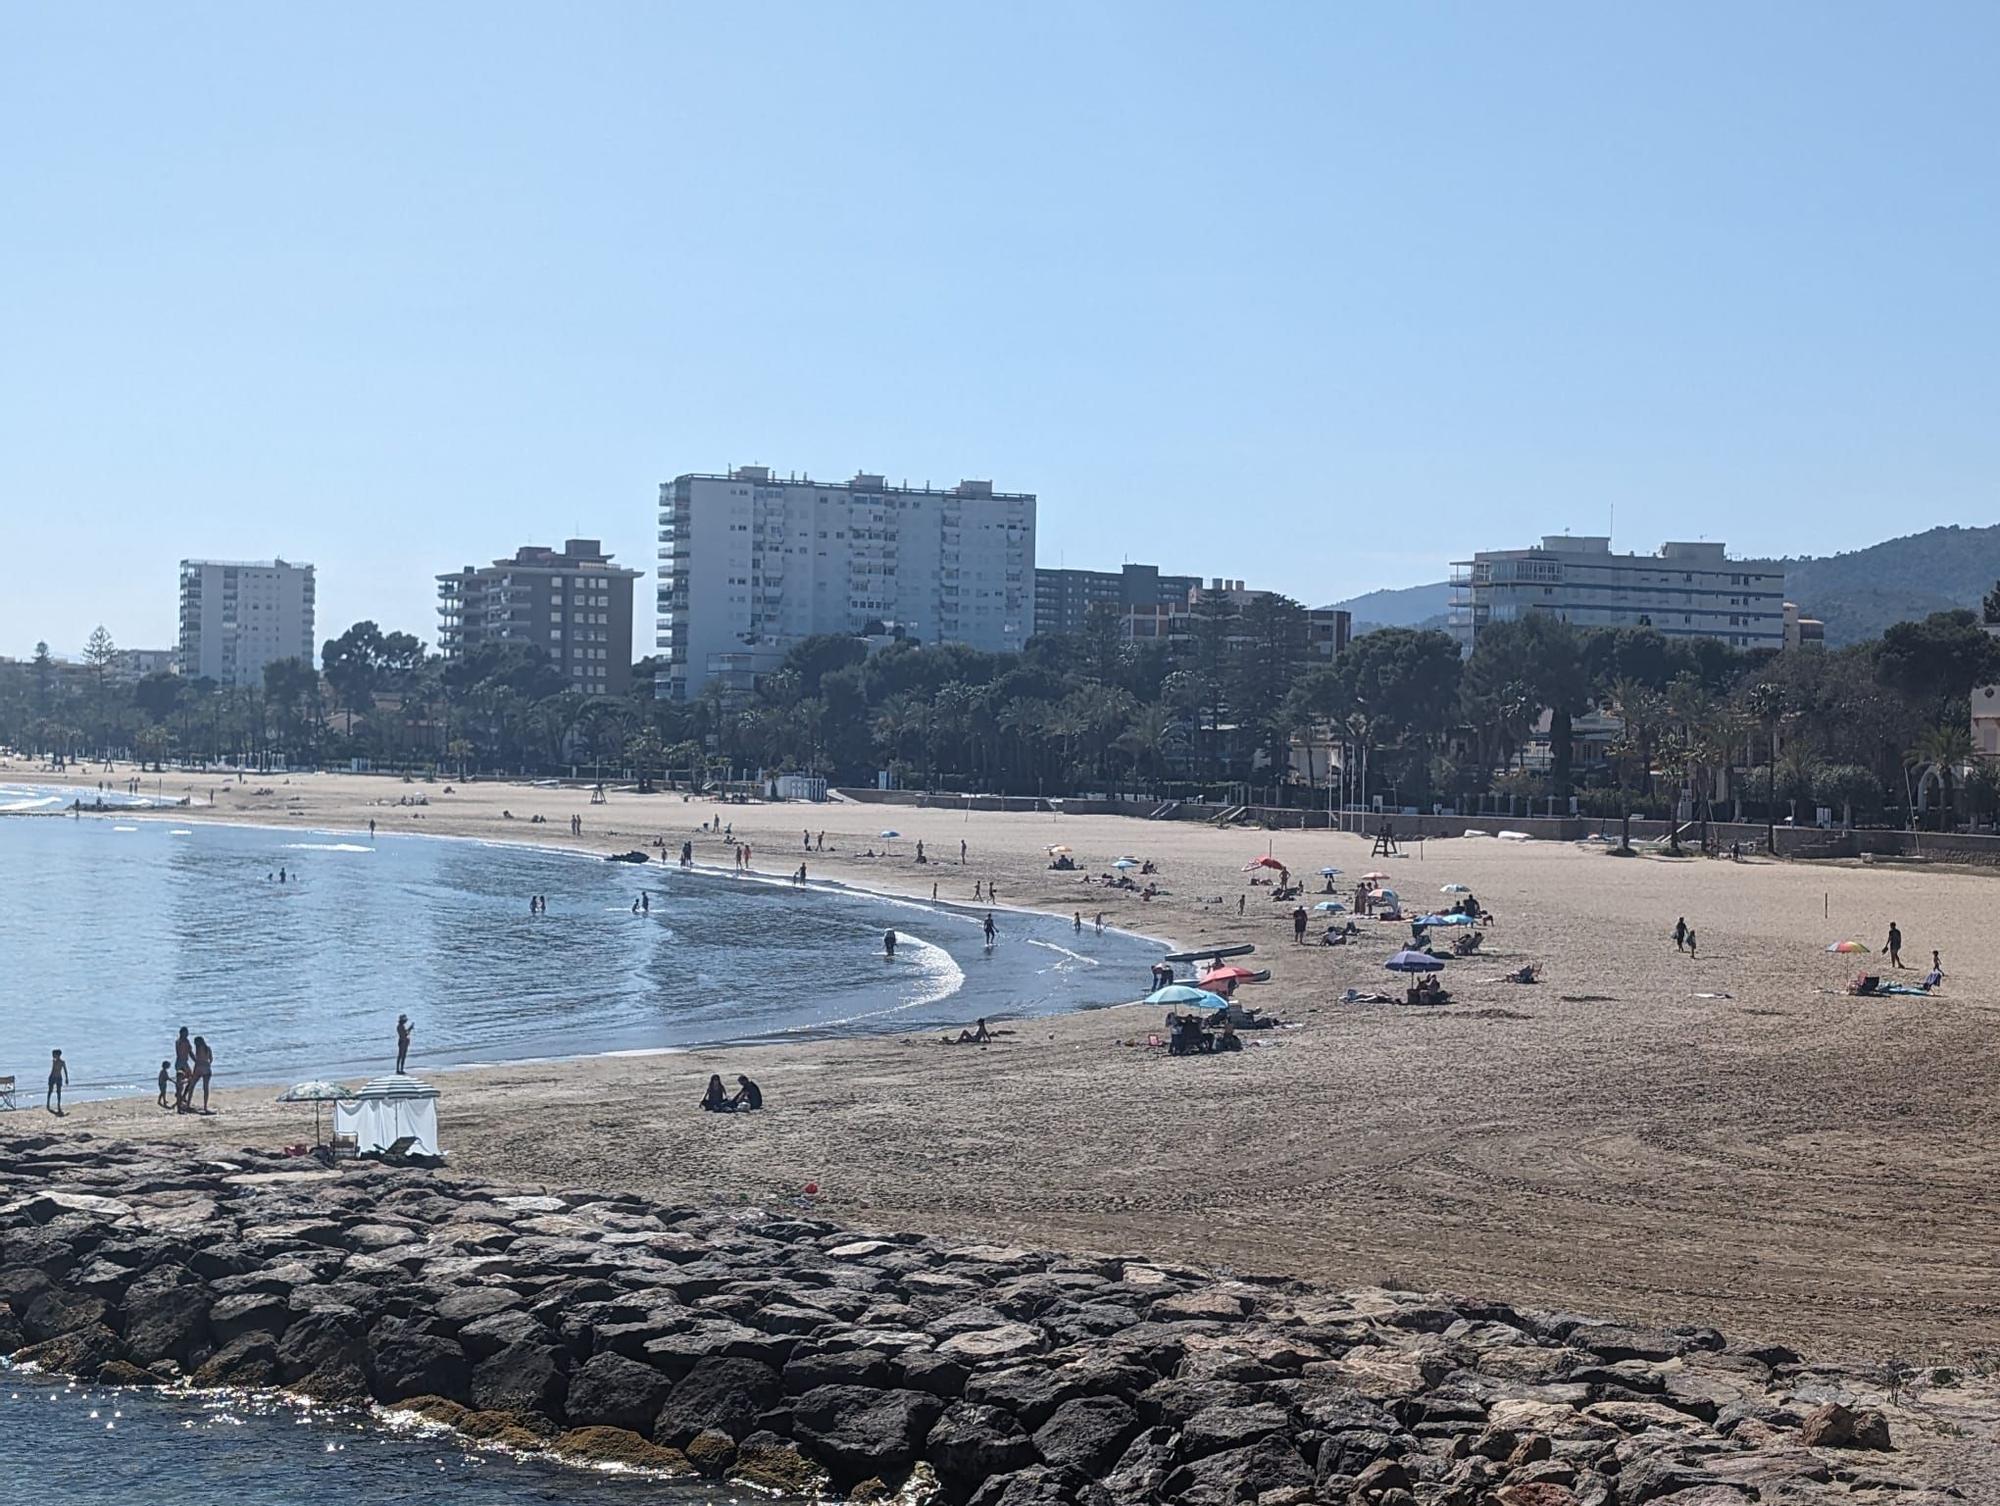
<point x="1410" y="606"/>
<point x="1857" y="595"/>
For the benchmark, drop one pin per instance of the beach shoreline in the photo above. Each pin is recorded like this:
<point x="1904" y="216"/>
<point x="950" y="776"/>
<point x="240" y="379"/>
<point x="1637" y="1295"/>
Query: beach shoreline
<point x="1608" y="1141"/>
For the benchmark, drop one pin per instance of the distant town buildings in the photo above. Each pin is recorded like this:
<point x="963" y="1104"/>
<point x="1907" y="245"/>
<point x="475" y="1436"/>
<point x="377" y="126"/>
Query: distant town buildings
<point x="1064" y="598"/>
<point x="751" y="563"/>
<point x="574" y="605"/>
<point x="137" y="663"/>
<point x="1803" y="632"/>
<point x="238" y="616"/>
<point x="1684" y="591"/>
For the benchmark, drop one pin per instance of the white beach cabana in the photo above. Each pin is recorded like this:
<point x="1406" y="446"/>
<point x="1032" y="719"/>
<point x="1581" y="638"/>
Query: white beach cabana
<point x="387" y="1110"/>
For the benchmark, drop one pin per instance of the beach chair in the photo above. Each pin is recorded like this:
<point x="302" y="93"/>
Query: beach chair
<point x="7" y="1094"/>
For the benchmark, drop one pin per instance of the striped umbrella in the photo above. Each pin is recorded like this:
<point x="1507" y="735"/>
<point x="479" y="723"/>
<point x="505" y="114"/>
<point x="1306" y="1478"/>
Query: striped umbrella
<point x="315" y="1091"/>
<point x="395" y="1086"/>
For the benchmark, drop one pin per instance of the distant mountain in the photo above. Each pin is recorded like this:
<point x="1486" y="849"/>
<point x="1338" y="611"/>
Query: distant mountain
<point x="1411" y="607"/>
<point x="1857" y="595"/>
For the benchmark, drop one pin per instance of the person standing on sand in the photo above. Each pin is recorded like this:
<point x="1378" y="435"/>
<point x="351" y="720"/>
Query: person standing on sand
<point x="1691" y="941"/>
<point x="1239" y="902"/>
<point x="58" y="1075"/>
<point x="204" y="1070"/>
<point x="166" y="1077"/>
<point x="403" y="1031"/>
<point x="1681" y="934"/>
<point x="1937" y="966"/>
<point x="183" y="1070"/>
<point x="1895" y="947"/>
<point x="1299" y="925"/>
<point x="961" y="852"/>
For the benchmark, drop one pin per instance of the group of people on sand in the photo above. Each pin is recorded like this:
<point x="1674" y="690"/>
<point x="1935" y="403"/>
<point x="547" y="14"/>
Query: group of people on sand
<point x="718" y="1099"/>
<point x="193" y="1066"/>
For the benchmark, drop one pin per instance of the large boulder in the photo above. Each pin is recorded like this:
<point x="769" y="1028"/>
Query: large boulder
<point x="1242" y="1474"/>
<point x="166" y="1318"/>
<point x="250" y="1360"/>
<point x="325" y="1356"/>
<point x="249" y="1312"/>
<point x="1088" y="1434"/>
<point x="611" y="1391"/>
<point x="530" y="1379"/>
<point x="1832" y="1425"/>
<point x="971" y="1442"/>
<point x="859" y="1432"/>
<point x="407" y="1362"/>
<point x="719" y="1392"/>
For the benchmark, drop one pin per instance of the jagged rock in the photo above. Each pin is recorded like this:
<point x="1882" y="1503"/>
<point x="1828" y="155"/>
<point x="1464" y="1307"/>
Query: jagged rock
<point x="711" y="1451"/>
<point x="924" y="1370"/>
<point x="1238" y="1475"/>
<point x="1087" y="1435"/>
<point x="1832" y="1425"/>
<point x="325" y="1356"/>
<point x="249" y="1360"/>
<point x="612" y="1391"/>
<point x="860" y="1432"/>
<point x="525" y="1378"/>
<point x="971" y="1442"/>
<point x="166" y="1318"/>
<point x="839" y="1367"/>
<point x="726" y="1394"/>
<point x="1202" y="1303"/>
<point x="81" y="1352"/>
<point x="1213" y="1429"/>
<point x="405" y="1362"/>
<point x="1006" y="1341"/>
<point x="1144" y="1466"/>
<point x="249" y="1312"/>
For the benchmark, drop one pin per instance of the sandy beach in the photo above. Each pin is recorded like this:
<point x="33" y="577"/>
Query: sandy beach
<point x="1786" y="1161"/>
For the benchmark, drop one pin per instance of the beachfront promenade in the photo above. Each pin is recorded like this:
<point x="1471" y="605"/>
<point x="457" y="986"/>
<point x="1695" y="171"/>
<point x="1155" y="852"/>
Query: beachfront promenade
<point x="1727" y="1141"/>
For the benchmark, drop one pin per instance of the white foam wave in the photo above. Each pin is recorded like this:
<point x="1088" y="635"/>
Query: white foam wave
<point x="328" y="847"/>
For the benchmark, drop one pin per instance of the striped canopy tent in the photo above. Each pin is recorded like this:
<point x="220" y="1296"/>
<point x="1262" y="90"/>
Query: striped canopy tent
<point x="382" y="1113"/>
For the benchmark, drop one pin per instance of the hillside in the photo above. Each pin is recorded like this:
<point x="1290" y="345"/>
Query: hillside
<point x="1410" y="606"/>
<point x="1859" y="594"/>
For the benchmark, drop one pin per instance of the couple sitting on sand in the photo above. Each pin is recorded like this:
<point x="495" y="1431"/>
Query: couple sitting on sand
<point x="718" y="1101"/>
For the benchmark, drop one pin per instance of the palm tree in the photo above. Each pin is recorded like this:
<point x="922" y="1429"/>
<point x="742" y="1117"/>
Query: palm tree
<point x="1940" y="753"/>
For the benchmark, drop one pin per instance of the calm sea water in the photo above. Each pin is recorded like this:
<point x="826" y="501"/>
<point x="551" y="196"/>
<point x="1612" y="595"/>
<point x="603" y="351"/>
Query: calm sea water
<point x="62" y="1443"/>
<point x="117" y="929"/>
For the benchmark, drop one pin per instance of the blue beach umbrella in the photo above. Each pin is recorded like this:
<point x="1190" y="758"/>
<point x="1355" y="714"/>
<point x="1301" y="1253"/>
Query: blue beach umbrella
<point x="1330" y="906"/>
<point x="1180" y="993"/>
<point x="1407" y="961"/>
<point x="1443" y="920"/>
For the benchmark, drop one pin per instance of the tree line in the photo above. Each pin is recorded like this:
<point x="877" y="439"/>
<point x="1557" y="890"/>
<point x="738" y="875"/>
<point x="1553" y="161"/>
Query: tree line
<point x="1241" y="703"/>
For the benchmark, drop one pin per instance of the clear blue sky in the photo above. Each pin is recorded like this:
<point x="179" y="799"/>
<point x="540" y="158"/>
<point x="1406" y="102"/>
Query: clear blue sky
<point x="1317" y="295"/>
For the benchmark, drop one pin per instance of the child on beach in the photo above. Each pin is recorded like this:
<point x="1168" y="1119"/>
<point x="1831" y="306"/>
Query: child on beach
<point x="166" y="1077"/>
<point x="58" y="1075"/>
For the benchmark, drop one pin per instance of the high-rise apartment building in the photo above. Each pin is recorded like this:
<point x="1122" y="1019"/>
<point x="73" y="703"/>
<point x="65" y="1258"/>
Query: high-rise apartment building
<point x="1063" y="598"/>
<point x="238" y="616"/>
<point x="1684" y="591"/>
<point x="574" y="605"/>
<point x="750" y="563"/>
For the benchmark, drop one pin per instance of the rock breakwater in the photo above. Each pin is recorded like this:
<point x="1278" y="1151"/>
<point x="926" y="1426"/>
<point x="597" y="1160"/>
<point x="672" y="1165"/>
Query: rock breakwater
<point x="786" y="1353"/>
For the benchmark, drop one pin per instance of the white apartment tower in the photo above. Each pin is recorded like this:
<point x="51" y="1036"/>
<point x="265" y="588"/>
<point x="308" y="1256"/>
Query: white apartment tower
<point x="1687" y="590"/>
<point x="750" y="563"/>
<point x="237" y="617"/>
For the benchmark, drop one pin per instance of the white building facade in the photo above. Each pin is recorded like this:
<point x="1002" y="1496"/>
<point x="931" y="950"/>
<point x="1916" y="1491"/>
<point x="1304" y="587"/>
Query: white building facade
<point x="751" y="563"/>
<point x="238" y="616"/>
<point x="1684" y="591"/>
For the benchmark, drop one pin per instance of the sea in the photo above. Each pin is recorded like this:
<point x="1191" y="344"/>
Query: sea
<point x="63" y="1443"/>
<point x="293" y="951"/>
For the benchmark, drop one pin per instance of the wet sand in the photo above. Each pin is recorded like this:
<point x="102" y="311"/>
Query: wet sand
<point x="1788" y="1162"/>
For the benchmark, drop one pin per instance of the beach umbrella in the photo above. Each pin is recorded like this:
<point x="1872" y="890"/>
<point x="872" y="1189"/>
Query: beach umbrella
<point x="1329" y="873"/>
<point x="1407" y="961"/>
<point x="1848" y="946"/>
<point x="315" y="1092"/>
<point x="396" y="1085"/>
<point x="1058" y="850"/>
<point x="1376" y="878"/>
<point x="1387" y="894"/>
<point x="1330" y="906"/>
<point x="1264" y="862"/>
<point x="1442" y="920"/>
<point x="1180" y="993"/>
<point x="1455" y="889"/>
<point x="1123" y="863"/>
<point x="888" y="834"/>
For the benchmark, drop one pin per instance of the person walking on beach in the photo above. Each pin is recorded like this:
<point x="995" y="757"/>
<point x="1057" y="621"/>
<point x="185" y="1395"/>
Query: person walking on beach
<point x="403" y="1030"/>
<point x="975" y="888"/>
<point x="1681" y="934"/>
<point x="1100" y="922"/>
<point x="1691" y="941"/>
<point x="1895" y="947"/>
<point x="58" y="1075"/>
<point x="961" y="852"/>
<point x="806" y="840"/>
<point x="799" y="878"/>
<point x="371" y="828"/>
<point x="889" y="944"/>
<point x="204" y="1070"/>
<point x="991" y="934"/>
<point x="1298" y="925"/>
<point x="1077" y="922"/>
